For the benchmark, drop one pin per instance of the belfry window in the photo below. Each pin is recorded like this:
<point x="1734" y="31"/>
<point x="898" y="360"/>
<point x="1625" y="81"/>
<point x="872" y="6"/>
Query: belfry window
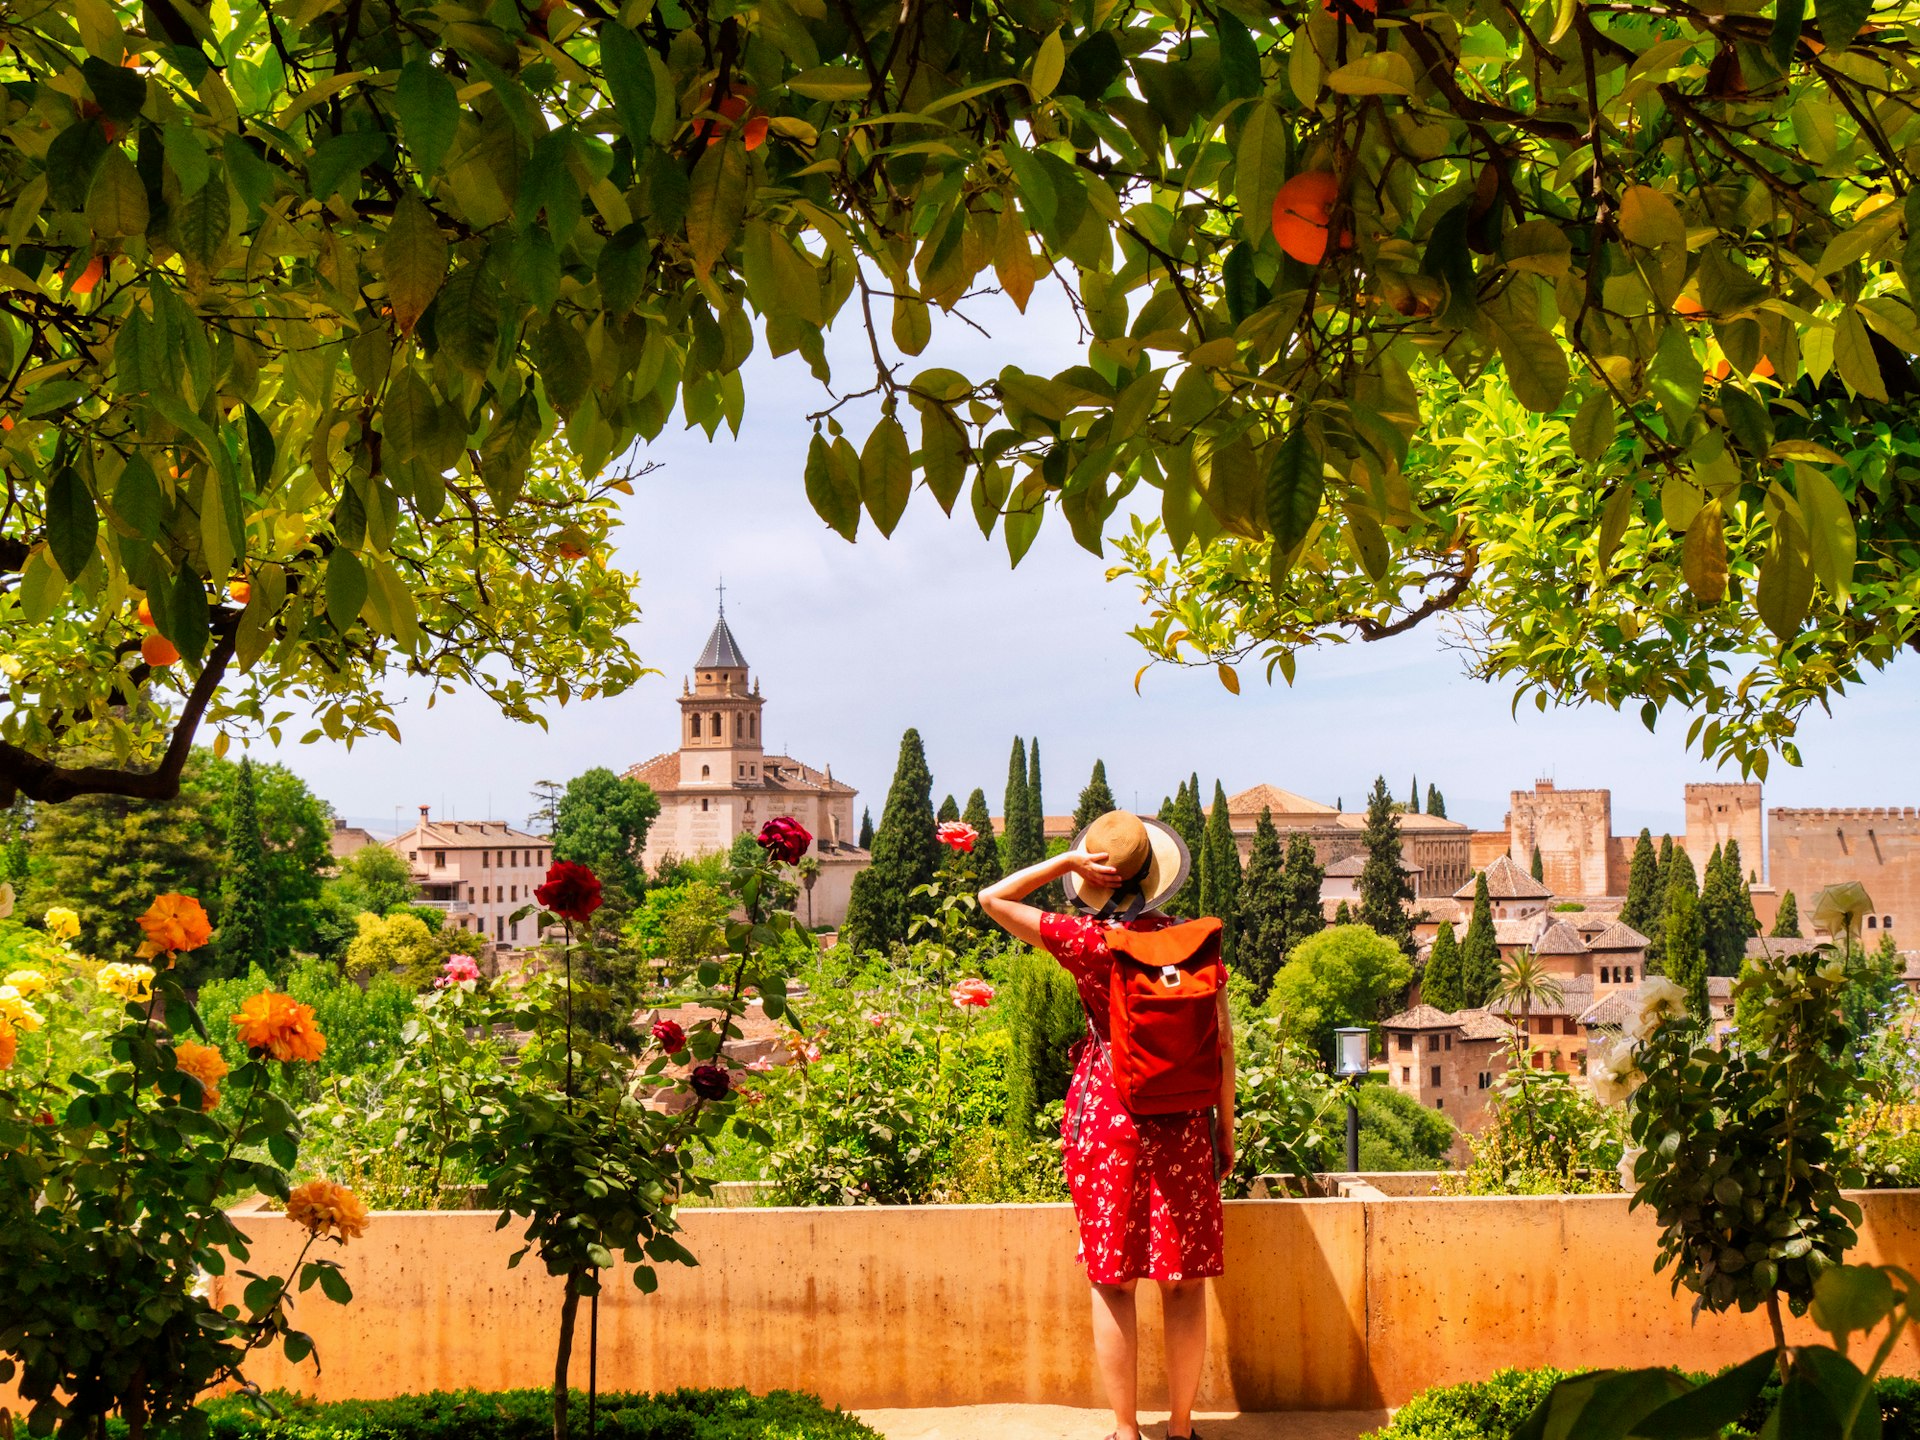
<point x="695" y="732"/>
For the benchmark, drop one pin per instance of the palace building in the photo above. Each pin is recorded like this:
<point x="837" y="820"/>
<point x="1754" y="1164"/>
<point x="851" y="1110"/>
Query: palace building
<point x="721" y="783"/>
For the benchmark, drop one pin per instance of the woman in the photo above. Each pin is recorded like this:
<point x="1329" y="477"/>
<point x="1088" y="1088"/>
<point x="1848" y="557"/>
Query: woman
<point x="1145" y="1188"/>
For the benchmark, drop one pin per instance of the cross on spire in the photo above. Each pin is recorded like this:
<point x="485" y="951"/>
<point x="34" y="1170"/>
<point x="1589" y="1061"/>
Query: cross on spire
<point x="722" y="588"/>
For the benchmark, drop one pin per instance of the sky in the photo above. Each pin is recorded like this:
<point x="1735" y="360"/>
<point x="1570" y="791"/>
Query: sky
<point x="853" y="643"/>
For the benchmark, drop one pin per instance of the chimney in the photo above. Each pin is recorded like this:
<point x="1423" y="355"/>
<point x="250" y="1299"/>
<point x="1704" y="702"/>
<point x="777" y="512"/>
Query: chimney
<point x="423" y="814"/>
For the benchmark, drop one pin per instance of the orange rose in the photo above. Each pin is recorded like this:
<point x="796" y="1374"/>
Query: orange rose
<point x="205" y="1064"/>
<point x="321" y="1205"/>
<point x="174" y="922"/>
<point x="281" y="1026"/>
<point x="9" y="1046"/>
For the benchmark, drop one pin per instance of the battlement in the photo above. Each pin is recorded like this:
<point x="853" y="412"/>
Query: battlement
<point x="1846" y="812"/>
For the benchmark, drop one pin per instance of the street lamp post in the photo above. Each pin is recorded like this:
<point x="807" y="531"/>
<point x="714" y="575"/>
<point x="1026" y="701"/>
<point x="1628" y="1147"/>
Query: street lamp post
<point x="1350" y="1063"/>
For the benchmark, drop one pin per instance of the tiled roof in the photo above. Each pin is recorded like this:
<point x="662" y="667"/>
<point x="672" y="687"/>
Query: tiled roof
<point x="1507" y="881"/>
<point x="1618" y="936"/>
<point x="1353" y="864"/>
<point x="1483" y="1025"/>
<point x="662" y="772"/>
<point x="1559" y="938"/>
<point x="464" y="835"/>
<point x="1576" y="994"/>
<point x="1779" y="946"/>
<point x="1515" y="932"/>
<point x="723" y="651"/>
<point x="1614" y="1008"/>
<point x="783" y="772"/>
<point x="1421" y="1017"/>
<point x="1252" y="801"/>
<point x="777" y="772"/>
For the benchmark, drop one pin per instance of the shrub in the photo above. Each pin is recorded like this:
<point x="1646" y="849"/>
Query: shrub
<point x="1044" y="1019"/>
<point x="528" y="1415"/>
<point x="1544" y="1136"/>
<point x="1397" y="1132"/>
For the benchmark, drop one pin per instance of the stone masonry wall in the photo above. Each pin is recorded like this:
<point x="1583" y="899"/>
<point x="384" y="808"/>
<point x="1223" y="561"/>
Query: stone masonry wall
<point x="1878" y="846"/>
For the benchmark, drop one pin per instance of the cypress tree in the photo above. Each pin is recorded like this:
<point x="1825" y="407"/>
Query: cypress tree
<point x="983" y="865"/>
<point x="866" y="828"/>
<point x="1657" y="921"/>
<point x="1343" y="915"/>
<point x="1637" y="913"/>
<point x="1436" y="802"/>
<point x="1262" y="912"/>
<point x="245" y="896"/>
<point x="1440" y="981"/>
<point x="1537" y="867"/>
<point x="1717" y="918"/>
<point x="1223" y="873"/>
<point x="1191" y="824"/>
<point x="1165" y="812"/>
<point x="1742" y="892"/>
<point x="905" y="855"/>
<point x="1044" y="1018"/>
<point x="1305" y="917"/>
<point x="1786" y="920"/>
<point x="1413" y="797"/>
<point x="1014" y="812"/>
<point x="1686" y="955"/>
<point x="1095" y="801"/>
<point x="1048" y="896"/>
<point x="1383" y="887"/>
<point x="949" y="810"/>
<point x="1480" y="950"/>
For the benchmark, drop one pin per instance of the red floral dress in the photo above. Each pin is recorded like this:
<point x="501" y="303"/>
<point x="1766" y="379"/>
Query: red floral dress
<point x="1144" y="1186"/>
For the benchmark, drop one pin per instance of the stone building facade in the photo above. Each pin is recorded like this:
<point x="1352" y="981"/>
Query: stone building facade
<point x="1878" y="846"/>
<point x="720" y="783"/>
<point x="478" y="872"/>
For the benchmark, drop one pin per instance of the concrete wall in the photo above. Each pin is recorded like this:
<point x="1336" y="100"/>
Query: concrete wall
<point x="1326" y="1304"/>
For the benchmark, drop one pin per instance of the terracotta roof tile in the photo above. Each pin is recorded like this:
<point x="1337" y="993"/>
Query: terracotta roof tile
<point x="1507" y="881"/>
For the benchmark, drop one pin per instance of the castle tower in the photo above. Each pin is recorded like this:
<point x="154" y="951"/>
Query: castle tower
<point x="720" y="737"/>
<point x="1718" y="812"/>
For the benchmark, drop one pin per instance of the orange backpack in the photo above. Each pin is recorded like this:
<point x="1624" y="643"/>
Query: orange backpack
<point x="1165" y="1051"/>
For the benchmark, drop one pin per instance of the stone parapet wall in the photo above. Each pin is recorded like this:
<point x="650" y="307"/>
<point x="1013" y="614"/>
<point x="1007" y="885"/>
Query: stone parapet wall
<point x="1326" y="1304"/>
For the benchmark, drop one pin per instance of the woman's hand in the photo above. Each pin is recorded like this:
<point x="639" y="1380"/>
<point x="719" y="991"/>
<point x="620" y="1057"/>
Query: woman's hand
<point x="1091" y="866"/>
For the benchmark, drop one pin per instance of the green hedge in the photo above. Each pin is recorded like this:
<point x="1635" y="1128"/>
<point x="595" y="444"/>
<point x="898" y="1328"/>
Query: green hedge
<point x="528" y="1415"/>
<point x="1494" y="1408"/>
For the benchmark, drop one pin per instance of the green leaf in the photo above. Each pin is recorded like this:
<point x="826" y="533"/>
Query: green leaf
<point x="1049" y="62"/>
<point x="1789" y="16"/>
<point x="629" y="80"/>
<point x="201" y="221"/>
<point x="1614" y="518"/>
<point x="1786" y="582"/>
<point x="1840" y="20"/>
<point x="716" y="202"/>
<point x="413" y="257"/>
<point x="342" y="158"/>
<point x="260" y="448"/>
<point x="187" y="615"/>
<point x="943" y="453"/>
<point x="73" y="522"/>
<point x="467" y="317"/>
<point x="1703" y="554"/>
<point x="1296" y="479"/>
<point x="1832" y="541"/>
<point x="1853" y="356"/>
<point x="565" y="368"/>
<point x="137" y="500"/>
<point x="1259" y="167"/>
<point x="1536" y="365"/>
<point x="886" y="474"/>
<point x="1676" y="376"/>
<point x="217" y="527"/>
<point x="346" y="588"/>
<point x="1591" y="431"/>
<point x="833" y="493"/>
<point x="831" y="82"/>
<point x="1650" y="219"/>
<point x="1026" y="508"/>
<point x="429" y="110"/>
<point x="1239" y="60"/>
<point x="117" y="203"/>
<point x="122" y="92"/>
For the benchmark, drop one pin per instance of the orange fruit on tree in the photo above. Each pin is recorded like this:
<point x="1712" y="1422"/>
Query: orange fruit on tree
<point x="1302" y="214"/>
<point x="158" y="651"/>
<point x="240" y="591"/>
<point x="88" y="277"/>
<point x="146" y="614"/>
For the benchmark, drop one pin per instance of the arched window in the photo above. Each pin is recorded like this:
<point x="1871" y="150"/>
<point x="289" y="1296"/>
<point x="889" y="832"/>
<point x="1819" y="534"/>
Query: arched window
<point x="1886" y="922"/>
<point x="695" y="732"/>
<point x="706" y="772"/>
<point x="1873" y="922"/>
<point x="739" y="725"/>
<point x="718" y="733"/>
<point x="753" y="727"/>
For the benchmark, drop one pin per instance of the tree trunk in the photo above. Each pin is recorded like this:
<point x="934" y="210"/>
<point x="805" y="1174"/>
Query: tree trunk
<point x="569" y="1309"/>
<point x="1783" y="1358"/>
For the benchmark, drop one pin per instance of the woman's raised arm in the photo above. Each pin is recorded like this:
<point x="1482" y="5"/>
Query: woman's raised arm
<point x="1000" y="901"/>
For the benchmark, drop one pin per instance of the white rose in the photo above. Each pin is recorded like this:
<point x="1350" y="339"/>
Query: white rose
<point x="1613" y="1070"/>
<point x="1660" y="1001"/>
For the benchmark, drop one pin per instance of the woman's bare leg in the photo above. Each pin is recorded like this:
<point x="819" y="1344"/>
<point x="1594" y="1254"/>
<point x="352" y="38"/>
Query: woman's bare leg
<point x="1116" y="1348"/>
<point x="1183" y="1304"/>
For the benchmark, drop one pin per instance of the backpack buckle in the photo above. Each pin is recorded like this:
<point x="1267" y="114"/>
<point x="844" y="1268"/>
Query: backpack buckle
<point x="1170" y="975"/>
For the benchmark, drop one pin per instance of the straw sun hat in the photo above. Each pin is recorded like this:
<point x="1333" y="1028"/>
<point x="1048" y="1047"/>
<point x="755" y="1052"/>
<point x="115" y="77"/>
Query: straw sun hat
<point x="1150" y="856"/>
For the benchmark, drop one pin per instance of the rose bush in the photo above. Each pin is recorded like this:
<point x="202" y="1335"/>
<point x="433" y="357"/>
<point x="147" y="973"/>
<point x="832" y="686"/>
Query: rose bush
<point x="113" y="1180"/>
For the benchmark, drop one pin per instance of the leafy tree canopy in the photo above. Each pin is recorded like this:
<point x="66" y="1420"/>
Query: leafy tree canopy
<point x="1594" y="325"/>
<point x="1342" y="976"/>
<point x="601" y="821"/>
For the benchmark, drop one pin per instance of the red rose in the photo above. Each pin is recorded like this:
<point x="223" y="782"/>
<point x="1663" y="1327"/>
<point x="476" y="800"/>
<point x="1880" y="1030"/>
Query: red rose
<point x="572" y="891"/>
<point x="957" y="834"/>
<point x="710" y="1081"/>
<point x="671" y="1037"/>
<point x="784" y="839"/>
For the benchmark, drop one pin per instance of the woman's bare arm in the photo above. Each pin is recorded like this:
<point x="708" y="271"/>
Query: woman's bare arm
<point x="1000" y="901"/>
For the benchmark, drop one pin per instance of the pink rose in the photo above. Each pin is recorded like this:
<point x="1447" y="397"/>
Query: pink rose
<point x="458" y="968"/>
<point x="972" y="994"/>
<point x="784" y="839"/>
<point x="670" y="1036"/>
<point x="957" y="835"/>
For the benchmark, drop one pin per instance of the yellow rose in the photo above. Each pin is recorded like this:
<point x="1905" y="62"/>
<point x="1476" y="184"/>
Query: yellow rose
<point x="16" y="1013"/>
<point x="62" y="923"/>
<point x="132" y="983"/>
<point x="27" y="982"/>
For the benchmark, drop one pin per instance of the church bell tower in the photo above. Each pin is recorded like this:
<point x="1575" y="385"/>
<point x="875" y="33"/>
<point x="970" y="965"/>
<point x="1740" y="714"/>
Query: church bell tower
<point x="720" y="736"/>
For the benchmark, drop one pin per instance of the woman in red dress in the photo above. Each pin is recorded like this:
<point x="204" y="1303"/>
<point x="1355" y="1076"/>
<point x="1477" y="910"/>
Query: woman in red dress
<point x="1145" y="1188"/>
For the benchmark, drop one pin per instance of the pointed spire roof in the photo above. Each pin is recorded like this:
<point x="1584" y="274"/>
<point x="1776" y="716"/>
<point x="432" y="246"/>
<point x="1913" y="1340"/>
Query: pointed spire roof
<point x="1507" y="881"/>
<point x="723" y="651"/>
